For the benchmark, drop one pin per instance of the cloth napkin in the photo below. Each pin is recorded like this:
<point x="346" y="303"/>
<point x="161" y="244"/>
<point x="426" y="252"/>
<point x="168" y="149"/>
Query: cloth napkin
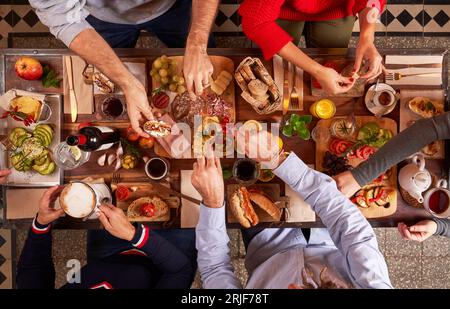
<point x="299" y="210"/>
<point x="412" y="64"/>
<point x="83" y="92"/>
<point x="24" y="203"/>
<point x="189" y="211"/>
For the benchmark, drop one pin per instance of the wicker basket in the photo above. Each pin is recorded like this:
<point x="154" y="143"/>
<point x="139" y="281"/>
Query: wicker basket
<point x="273" y="106"/>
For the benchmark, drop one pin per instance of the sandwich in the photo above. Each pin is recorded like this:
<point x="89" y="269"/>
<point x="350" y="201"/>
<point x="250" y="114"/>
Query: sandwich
<point x="148" y="209"/>
<point x="27" y="105"/>
<point x="242" y="209"/>
<point x="157" y="129"/>
<point x="103" y="82"/>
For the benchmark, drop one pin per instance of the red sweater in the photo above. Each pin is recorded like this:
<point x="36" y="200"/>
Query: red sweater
<point x="258" y="17"/>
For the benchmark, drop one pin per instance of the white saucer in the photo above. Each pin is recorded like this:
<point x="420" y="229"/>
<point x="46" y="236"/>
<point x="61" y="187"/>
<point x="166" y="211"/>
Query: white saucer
<point x="375" y="109"/>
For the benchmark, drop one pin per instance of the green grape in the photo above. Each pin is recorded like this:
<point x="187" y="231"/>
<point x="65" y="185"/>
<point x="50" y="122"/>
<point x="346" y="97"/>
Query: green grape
<point x="153" y="72"/>
<point x="164" y="58"/>
<point x="164" y="80"/>
<point x="162" y="73"/>
<point x="181" y="81"/>
<point x="157" y="64"/>
<point x="173" y="87"/>
<point x="157" y="78"/>
<point x="165" y="66"/>
<point x="181" y="89"/>
<point x="175" y="78"/>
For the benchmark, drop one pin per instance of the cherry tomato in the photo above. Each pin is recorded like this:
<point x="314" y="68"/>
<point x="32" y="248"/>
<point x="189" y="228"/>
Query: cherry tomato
<point x="122" y="193"/>
<point x="146" y="143"/>
<point x="148" y="210"/>
<point x="132" y="136"/>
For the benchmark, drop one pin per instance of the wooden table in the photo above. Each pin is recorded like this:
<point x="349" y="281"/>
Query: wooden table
<point x="304" y="149"/>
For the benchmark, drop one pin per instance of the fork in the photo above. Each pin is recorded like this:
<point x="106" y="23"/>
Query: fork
<point x="391" y="76"/>
<point x="294" y="100"/>
<point x="116" y="178"/>
<point x="4" y="139"/>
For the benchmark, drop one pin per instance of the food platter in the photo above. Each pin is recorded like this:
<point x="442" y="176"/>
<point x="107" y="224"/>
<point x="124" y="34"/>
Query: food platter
<point x="142" y="190"/>
<point x="407" y="117"/>
<point x="30" y="177"/>
<point x="202" y="105"/>
<point x="390" y="181"/>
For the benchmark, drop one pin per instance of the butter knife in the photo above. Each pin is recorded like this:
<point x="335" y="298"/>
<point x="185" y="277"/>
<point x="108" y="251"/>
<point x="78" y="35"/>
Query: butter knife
<point x="286" y="93"/>
<point x="173" y="192"/>
<point x="72" y="96"/>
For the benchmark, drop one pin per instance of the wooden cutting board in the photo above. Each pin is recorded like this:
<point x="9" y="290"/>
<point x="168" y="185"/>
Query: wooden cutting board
<point x="219" y="64"/>
<point x="148" y="190"/>
<point x="407" y="116"/>
<point x="271" y="189"/>
<point x="384" y="123"/>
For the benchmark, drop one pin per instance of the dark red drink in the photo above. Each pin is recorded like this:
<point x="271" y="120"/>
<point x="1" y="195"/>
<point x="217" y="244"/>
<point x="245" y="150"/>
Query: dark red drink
<point x="439" y="201"/>
<point x="112" y="107"/>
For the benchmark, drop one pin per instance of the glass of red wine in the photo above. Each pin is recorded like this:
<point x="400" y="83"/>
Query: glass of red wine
<point x="113" y="107"/>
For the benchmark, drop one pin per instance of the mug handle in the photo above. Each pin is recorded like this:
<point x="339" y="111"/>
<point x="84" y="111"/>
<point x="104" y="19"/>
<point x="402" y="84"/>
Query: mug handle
<point x="419" y="160"/>
<point x="442" y="183"/>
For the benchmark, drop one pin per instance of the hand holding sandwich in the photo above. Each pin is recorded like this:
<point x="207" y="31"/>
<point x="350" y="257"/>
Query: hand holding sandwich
<point x="208" y="181"/>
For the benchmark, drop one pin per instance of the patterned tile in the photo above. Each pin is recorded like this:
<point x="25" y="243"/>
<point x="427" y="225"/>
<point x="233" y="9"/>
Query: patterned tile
<point x="406" y="18"/>
<point x="6" y="275"/>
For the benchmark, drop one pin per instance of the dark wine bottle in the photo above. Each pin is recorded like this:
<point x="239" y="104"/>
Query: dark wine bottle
<point x="94" y="138"/>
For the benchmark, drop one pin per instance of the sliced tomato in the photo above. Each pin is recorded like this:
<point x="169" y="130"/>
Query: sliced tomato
<point x="339" y="146"/>
<point x="148" y="210"/>
<point x="122" y="193"/>
<point x="366" y="152"/>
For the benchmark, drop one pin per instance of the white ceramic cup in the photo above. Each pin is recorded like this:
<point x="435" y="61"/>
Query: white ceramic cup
<point x="440" y="186"/>
<point x="392" y="98"/>
<point x="79" y="199"/>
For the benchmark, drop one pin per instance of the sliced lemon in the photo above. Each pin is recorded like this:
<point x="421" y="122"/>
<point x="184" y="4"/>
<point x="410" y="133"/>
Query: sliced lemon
<point x="251" y="125"/>
<point x="76" y="152"/>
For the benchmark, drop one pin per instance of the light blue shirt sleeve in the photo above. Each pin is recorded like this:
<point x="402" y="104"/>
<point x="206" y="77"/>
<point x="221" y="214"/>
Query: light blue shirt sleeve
<point x="350" y="231"/>
<point x="214" y="262"/>
<point x="65" y="19"/>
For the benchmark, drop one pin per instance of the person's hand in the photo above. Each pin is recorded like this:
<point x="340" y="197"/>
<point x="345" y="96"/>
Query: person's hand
<point x="137" y="106"/>
<point x="263" y="147"/>
<point x="4" y="175"/>
<point x="115" y="222"/>
<point x="208" y="181"/>
<point x="367" y="51"/>
<point x="197" y="69"/>
<point x="332" y="82"/>
<point x="347" y="184"/>
<point x="419" y="232"/>
<point x="47" y="213"/>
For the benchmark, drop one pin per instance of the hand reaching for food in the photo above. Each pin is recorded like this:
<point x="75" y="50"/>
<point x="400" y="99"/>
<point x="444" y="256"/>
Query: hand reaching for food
<point x="4" y="175"/>
<point x="47" y="213"/>
<point x="367" y="51"/>
<point x="197" y="69"/>
<point x="116" y="222"/>
<point x="347" y="184"/>
<point x="419" y="232"/>
<point x="208" y="181"/>
<point x="138" y="106"/>
<point x="332" y="82"/>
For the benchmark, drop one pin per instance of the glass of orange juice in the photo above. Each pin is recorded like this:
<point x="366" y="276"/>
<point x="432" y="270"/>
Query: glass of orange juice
<point x="323" y="109"/>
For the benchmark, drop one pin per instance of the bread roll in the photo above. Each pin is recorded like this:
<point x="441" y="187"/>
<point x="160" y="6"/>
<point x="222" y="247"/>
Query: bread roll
<point x="264" y="202"/>
<point x="257" y="88"/>
<point x="241" y="208"/>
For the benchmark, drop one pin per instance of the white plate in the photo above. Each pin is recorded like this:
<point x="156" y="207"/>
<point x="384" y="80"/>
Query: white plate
<point x="375" y="109"/>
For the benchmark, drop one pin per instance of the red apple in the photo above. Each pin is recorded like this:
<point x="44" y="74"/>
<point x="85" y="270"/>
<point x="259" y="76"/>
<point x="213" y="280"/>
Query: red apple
<point x="28" y="68"/>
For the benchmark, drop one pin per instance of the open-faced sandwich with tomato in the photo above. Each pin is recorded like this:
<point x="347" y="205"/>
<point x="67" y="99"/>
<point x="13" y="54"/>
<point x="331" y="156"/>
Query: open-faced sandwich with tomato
<point x="426" y="107"/>
<point x="148" y="209"/>
<point x="379" y="196"/>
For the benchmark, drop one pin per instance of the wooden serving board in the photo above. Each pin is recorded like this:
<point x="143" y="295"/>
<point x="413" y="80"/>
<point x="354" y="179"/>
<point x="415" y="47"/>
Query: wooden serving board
<point x="219" y="63"/>
<point x="407" y="116"/>
<point x="384" y="123"/>
<point x="148" y="190"/>
<point x="271" y="189"/>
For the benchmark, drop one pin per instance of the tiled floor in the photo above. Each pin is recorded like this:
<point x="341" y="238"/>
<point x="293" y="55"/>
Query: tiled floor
<point x="411" y="265"/>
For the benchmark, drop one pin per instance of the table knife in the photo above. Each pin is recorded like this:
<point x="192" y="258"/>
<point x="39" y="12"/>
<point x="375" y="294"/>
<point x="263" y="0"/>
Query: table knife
<point x="72" y="96"/>
<point x="173" y="192"/>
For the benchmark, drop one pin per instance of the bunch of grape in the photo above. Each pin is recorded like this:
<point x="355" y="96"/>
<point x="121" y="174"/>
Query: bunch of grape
<point x="164" y="71"/>
<point x="335" y="165"/>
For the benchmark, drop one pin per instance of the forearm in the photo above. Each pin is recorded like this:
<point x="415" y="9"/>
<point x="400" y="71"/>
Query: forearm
<point x="203" y="15"/>
<point x="443" y="227"/>
<point x="402" y="146"/>
<point x="90" y="46"/>
<point x="295" y="55"/>
<point x="367" y="23"/>
<point x="350" y="231"/>
<point x="214" y="262"/>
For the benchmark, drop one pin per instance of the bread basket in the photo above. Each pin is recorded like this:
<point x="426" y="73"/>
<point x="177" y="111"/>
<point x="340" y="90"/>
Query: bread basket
<point x="257" y="85"/>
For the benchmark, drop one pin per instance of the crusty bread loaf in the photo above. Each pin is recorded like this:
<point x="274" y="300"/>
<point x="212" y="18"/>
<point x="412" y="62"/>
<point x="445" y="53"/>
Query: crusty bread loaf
<point x="161" y="209"/>
<point x="266" y="204"/>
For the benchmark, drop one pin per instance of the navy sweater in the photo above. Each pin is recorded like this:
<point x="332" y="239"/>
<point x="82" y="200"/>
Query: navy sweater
<point x="153" y="263"/>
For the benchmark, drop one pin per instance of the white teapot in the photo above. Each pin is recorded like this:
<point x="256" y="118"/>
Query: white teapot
<point x="414" y="178"/>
